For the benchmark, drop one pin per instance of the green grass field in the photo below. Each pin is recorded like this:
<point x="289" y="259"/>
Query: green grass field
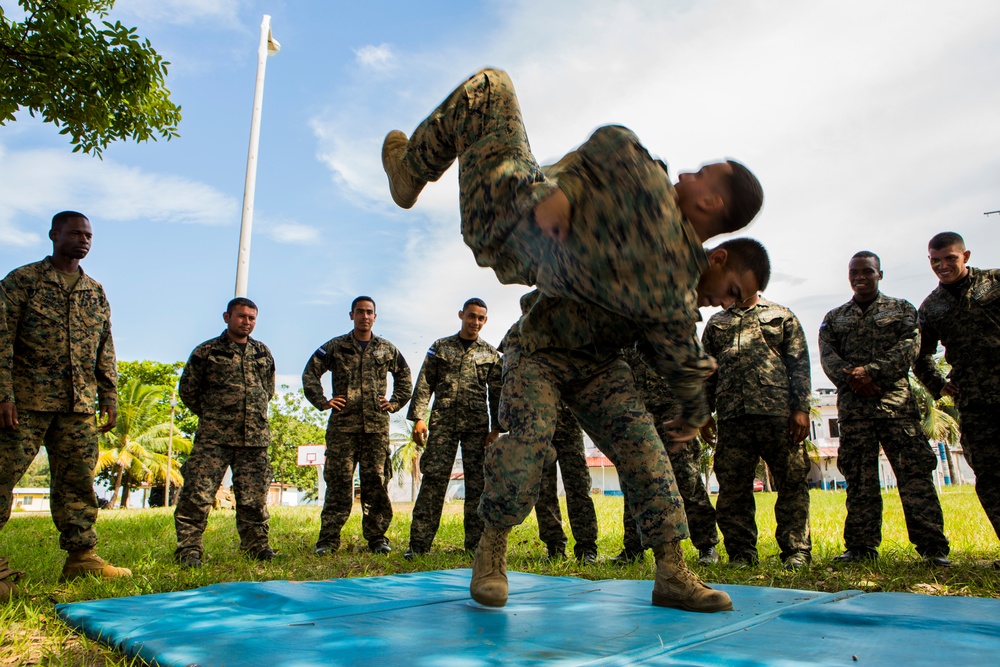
<point x="31" y="633"/>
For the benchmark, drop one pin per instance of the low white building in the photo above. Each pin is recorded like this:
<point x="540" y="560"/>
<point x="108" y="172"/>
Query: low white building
<point x="30" y="499"/>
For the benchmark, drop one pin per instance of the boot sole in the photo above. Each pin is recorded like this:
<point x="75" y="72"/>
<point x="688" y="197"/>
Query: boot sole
<point x="489" y="602"/>
<point x="664" y="601"/>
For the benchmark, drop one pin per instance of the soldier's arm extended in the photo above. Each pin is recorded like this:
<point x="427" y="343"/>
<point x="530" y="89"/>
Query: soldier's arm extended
<point x="106" y="370"/>
<point x="190" y="387"/>
<point x="711" y="346"/>
<point x="402" y="384"/>
<point x="894" y="364"/>
<point x="675" y="353"/>
<point x="833" y="364"/>
<point x="795" y="354"/>
<point x="924" y="366"/>
<point x="427" y="380"/>
<point x="270" y="380"/>
<point x="312" y="376"/>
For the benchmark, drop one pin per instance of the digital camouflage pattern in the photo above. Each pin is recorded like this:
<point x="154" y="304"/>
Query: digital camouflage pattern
<point x="70" y="440"/>
<point x="763" y="378"/>
<point x="913" y="462"/>
<point x="684" y="460"/>
<point x="203" y="472"/>
<point x="625" y="227"/>
<point x="600" y="393"/>
<point x="370" y="453"/>
<point x="884" y="339"/>
<point x="57" y="362"/>
<point x="465" y="384"/>
<point x="358" y="434"/>
<point x="229" y="389"/>
<point x="763" y="362"/>
<point x="742" y="443"/>
<point x="361" y="375"/>
<point x="571" y="457"/>
<point x="56" y="349"/>
<point x="968" y="325"/>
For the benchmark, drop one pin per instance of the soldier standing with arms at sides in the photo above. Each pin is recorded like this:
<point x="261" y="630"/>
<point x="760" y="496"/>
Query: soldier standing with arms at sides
<point x="57" y="365"/>
<point x="761" y="394"/>
<point x="462" y="372"/>
<point x="358" y="431"/>
<point x="963" y="313"/>
<point x="571" y="457"/>
<point x="684" y="459"/>
<point x="867" y="346"/>
<point x="228" y="382"/>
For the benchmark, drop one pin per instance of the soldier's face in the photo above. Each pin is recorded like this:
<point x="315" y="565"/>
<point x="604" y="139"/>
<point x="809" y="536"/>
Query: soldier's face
<point x="722" y="286"/>
<point x="473" y="319"/>
<point x="949" y="264"/>
<point x="240" y="322"/>
<point x="703" y="189"/>
<point x="363" y="316"/>
<point x="864" y="274"/>
<point x="72" y="240"/>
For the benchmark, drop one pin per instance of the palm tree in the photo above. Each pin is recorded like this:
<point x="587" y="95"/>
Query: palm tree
<point x="939" y="420"/>
<point x="135" y="450"/>
<point x="406" y="454"/>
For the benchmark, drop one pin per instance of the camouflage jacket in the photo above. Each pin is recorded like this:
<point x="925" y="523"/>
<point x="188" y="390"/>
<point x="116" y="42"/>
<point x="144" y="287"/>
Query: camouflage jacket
<point x="229" y="389"/>
<point x="56" y="350"/>
<point x="360" y="375"/>
<point x="459" y="379"/>
<point x="653" y="389"/>
<point x="882" y="339"/>
<point x="763" y="362"/>
<point x="969" y="329"/>
<point x="669" y="344"/>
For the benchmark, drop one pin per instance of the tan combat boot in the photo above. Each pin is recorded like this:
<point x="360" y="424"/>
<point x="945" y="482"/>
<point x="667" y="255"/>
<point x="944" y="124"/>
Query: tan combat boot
<point x="489" y="569"/>
<point x="404" y="186"/>
<point x="677" y="586"/>
<point x="7" y="579"/>
<point x="82" y="563"/>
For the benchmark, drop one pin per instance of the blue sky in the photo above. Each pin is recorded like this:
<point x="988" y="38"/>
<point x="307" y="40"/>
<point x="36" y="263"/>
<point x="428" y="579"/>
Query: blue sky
<point x="872" y="125"/>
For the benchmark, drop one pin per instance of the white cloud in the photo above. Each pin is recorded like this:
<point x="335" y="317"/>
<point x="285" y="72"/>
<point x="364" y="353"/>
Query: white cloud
<point x="291" y="233"/>
<point x="379" y="57"/>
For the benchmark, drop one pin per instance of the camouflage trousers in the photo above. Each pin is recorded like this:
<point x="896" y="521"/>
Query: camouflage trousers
<point x="743" y="441"/>
<point x="624" y="217"/>
<point x="436" y="464"/>
<point x="203" y="473"/>
<point x="70" y="440"/>
<point x="697" y="504"/>
<point x="913" y="462"/>
<point x="981" y="442"/>
<point x="369" y="452"/>
<point x="601" y="395"/>
<point x="571" y="457"/>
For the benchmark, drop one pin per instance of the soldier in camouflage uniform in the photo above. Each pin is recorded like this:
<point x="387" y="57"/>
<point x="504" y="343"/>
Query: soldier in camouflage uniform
<point x="228" y="382"/>
<point x="867" y="346"/>
<point x="599" y="226"/>
<point x="566" y="352"/>
<point x="571" y="457"/>
<point x="463" y="374"/>
<point x="57" y="366"/>
<point x="684" y="460"/>
<point x="358" y="431"/>
<point x="963" y="313"/>
<point x="761" y="394"/>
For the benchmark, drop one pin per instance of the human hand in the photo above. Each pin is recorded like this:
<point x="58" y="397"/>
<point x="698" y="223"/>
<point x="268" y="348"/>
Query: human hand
<point x="420" y="433"/>
<point x="8" y="415"/>
<point x="710" y="432"/>
<point x="491" y="438"/>
<point x="798" y="426"/>
<point x="337" y="402"/>
<point x="552" y="216"/>
<point x="861" y="383"/>
<point x="384" y="405"/>
<point x="680" y="430"/>
<point x="109" y="414"/>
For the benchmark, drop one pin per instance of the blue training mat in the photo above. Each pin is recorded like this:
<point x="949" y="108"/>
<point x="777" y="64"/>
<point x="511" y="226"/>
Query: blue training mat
<point x="427" y="618"/>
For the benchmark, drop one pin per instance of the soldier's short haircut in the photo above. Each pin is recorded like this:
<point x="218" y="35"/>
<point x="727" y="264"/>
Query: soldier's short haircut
<point x="240" y="301"/>
<point x="748" y="255"/>
<point x="861" y="254"/>
<point x="362" y="298"/>
<point x="474" y="301"/>
<point x="945" y="240"/>
<point x="60" y="218"/>
<point x="746" y="196"/>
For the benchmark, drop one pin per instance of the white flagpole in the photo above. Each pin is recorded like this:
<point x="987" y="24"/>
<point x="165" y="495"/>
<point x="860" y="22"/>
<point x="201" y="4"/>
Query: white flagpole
<point x="246" y="225"/>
